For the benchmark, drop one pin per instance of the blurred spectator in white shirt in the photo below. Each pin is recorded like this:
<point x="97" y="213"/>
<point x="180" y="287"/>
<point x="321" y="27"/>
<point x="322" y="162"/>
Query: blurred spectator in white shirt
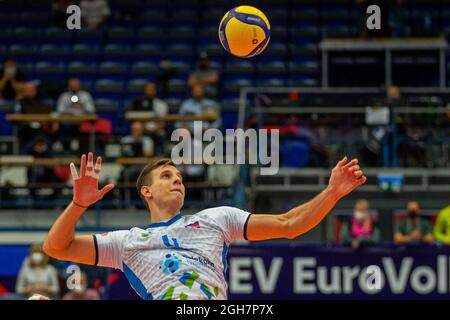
<point x="94" y="12"/>
<point x="75" y="101"/>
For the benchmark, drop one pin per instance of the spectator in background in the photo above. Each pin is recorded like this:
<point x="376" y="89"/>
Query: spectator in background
<point x="204" y="75"/>
<point x="198" y="105"/>
<point x="361" y="230"/>
<point x="94" y="13"/>
<point x="36" y="276"/>
<point x="28" y="102"/>
<point x="413" y="229"/>
<point x="442" y="226"/>
<point x="151" y="103"/>
<point x="82" y="292"/>
<point x="11" y="80"/>
<point x="137" y="138"/>
<point x="39" y="174"/>
<point x="74" y="100"/>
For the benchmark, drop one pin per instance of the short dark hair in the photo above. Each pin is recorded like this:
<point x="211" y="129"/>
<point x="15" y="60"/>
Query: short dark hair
<point x="145" y="177"/>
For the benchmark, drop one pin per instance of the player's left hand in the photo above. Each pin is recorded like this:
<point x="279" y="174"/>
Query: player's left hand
<point x="345" y="177"/>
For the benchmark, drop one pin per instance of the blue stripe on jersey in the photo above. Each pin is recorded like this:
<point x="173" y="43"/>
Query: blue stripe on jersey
<point x="165" y="223"/>
<point x="136" y="283"/>
<point x="224" y="260"/>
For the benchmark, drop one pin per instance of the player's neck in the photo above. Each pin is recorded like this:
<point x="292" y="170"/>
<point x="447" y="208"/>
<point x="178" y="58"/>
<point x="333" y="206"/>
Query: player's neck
<point x="158" y="215"/>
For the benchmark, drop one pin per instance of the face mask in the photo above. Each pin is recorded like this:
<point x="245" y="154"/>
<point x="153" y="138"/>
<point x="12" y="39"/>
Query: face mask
<point x="37" y="258"/>
<point x="359" y="215"/>
<point x="413" y="214"/>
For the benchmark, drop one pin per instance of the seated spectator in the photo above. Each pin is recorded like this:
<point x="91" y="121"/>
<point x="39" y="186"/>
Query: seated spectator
<point x="361" y="230"/>
<point x="151" y="103"/>
<point x="413" y="229"/>
<point x="139" y="145"/>
<point x="38" y="174"/>
<point x="94" y="13"/>
<point x="204" y="75"/>
<point x="82" y="292"/>
<point x="200" y="106"/>
<point x="28" y="102"/>
<point x="74" y="100"/>
<point x="442" y="226"/>
<point x="11" y="80"/>
<point x="36" y="276"/>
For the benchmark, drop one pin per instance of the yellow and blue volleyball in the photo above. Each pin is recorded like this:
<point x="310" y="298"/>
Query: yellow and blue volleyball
<point x="244" y="31"/>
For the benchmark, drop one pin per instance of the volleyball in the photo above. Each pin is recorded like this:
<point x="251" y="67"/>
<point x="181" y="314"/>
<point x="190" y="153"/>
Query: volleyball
<point x="244" y="31"/>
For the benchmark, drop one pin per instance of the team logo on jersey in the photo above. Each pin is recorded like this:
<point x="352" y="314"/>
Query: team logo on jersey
<point x="170" y="264"/>
<point x="195" y="224"/>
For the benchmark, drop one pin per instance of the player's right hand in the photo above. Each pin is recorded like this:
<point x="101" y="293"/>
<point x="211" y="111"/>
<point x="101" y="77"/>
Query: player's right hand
<point x="85" y="186"/>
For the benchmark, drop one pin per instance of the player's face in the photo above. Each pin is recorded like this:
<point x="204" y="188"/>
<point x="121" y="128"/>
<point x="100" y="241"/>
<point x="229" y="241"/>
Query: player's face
<point x="167" y="186"/>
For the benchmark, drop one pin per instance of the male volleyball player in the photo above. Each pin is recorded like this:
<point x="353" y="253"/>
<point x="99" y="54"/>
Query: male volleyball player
<point x="180" y="256"/>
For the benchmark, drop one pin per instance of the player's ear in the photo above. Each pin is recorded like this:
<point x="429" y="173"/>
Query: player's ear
<point x="146" y="192"/>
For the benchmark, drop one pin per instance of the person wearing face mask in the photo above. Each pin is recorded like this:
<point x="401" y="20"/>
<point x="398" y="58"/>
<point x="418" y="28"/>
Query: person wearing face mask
<point x="36" y="276"/>
<point x="11" y="80"/>
<point x="81" y="291"/>
<point x="204" y="75"/>
<point x="361" y="230"/>
<point x="413" y="229"/>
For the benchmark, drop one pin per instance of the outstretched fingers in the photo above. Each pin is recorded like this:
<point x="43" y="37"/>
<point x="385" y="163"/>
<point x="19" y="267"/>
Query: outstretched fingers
<point x="106" y="189"/>
<point x="83" y="166"/>
<point x="342" y="162"/>
<point x="73" y="171"/>
<point x="90" y="164"/>
<point x="97" y="168"/>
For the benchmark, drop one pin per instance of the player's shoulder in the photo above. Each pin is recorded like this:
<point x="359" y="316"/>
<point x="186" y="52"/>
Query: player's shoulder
<point x="217" y="211"/>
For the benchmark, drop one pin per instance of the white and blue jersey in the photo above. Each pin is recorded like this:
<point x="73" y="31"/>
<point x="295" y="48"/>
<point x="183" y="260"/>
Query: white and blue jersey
<point x="182" y="258"/>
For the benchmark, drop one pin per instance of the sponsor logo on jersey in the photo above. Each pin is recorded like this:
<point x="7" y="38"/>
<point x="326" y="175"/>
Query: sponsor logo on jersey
<point x="195" y="224"/>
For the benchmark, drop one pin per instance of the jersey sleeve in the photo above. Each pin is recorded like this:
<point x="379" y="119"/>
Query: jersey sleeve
<point x="109" y="247"/>
<point x="232" y="221"/>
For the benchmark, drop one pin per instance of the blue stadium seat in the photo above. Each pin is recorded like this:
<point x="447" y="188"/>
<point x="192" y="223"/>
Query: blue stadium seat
<point x="153" y="18"/>
<point x="271" y="82"/>
<point x="117" y="52"/>
<point x="178" y="86"/>
<point x="148" y="52"/>
<point x="28" y="35"/>
<point x="136" y="86"/>
<point x="186" y="17"/>
<point x="144" y="69"/>
<point x="278" y="33"/>
<point x="179" y="50"/>
<point x="24" y="53"/>
<point x="113" y="70"/>
<point x="239" y="67"/>
<point x="88" y="36"/>
<point x="150" y="34"/>
<point x="121" y="35"/>
<point x="85" y="52"/>
<point x="212" y="49"/>
<point x="35" y="19"/>
<point x="294" y="154"/>
<point x="54" y="53"/>
<point x="50" y="71"/>
<point x="182" y="34"/>
<point x="81" y="69"/>
<point x="304" y="18"/>
<point x="55" y="35"/>
<point x="305" y="68"/>
<point x="234" y="86"/>
<point x="108" y="89"/>
<point x="106" y="105"/>
<point x="274" y="67"/>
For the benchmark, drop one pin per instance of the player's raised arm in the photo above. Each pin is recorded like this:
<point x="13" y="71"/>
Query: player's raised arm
<point x="345" y="177"/>
<point x="61" y="242"/>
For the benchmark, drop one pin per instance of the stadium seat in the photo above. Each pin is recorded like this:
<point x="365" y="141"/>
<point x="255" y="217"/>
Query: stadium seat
<point x="182" y="33"/>
<point x="7" y="36"/>
<point x="136" y="86"/>
<point x="148" y="52"/>
<point x="88" y="36"/>
<point x="303" y="68"/>
<point x="112" y="70"/>
<point x="177" y="86"/>
<point x="150" y="34"/>
<point x="84" y="52"/>
<point x="153" y="17"/>
<point x="237" y="85"/>
<point x="8" y="20"/>
<point x="34" y="19"/>
<point x="116" y="52"/>
<point x="55" y="35"/>
<point x="54" y="53"/>
<point x="144" y="69"/>
<point x="188" y="17"/>
<point x="179" y="50"/>
<point x="24" y="53"/>
<point x="49" y="71"/>
<point x="240" y="67"/>
<point x="274" y="67"/>
<point x="28" y="35"/>
<point x="121" y="34"/>
<point x="213" y="50"/>
<point x="278" y="33"/>
<point x="108" y="89"/>
<point x="294" y="154"/>
<point x="77" y="68"/>
<point x="106" y="105"/>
